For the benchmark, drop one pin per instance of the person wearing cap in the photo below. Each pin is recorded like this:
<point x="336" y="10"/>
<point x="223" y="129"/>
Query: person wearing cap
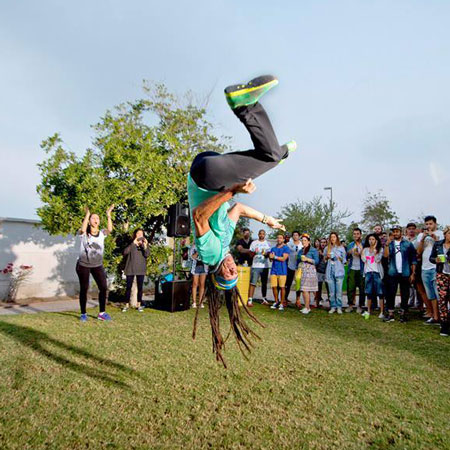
<point x="426" y="240"/>
<point x="402" y="262"/>
<point x="214" y="179"/>
<point x="440" y="255"/>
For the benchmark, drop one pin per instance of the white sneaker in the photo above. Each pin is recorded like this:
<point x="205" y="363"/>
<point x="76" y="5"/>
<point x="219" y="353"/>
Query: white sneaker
<point x="281" y="308"/>
<point x="349" y="309"/>
<point x="332" y="311"/>
<point x="305" y="311"/>
<point x="359" y="310"/>
<point x="339" y="310"/>
<point x="275" y="305"/>
<point x="250" y="303"/>
<point x="381" y="316"/>
<point x="194" y="305"/>
<point x="124" y="309"/>
<point x="264" y="302"/>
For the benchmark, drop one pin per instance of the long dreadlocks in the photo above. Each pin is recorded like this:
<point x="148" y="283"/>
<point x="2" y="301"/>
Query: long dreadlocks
<point x="242" y="332"/>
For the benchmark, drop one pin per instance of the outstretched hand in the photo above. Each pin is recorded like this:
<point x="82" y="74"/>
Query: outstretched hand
<point x="244" y="188"/>
<point x="275" y="223"/>
<point x="109" y="210"/>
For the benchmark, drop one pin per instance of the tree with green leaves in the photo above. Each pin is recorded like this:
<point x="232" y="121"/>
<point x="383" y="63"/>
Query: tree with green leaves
<point x="313" y="217"/>
<point x="377" y="210"/>
<point x="139" y="160"/>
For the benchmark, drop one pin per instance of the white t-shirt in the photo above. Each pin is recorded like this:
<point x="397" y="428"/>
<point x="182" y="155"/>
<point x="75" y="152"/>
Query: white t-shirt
<point x="427" y="247"/>
<point x="356" y="261"/>
<point x="372" y="261"/>
<point x="91" y="249"/>
<point x="398" y="256"/>
<point x="260" y="248"/>
<point x="293" y="252"/>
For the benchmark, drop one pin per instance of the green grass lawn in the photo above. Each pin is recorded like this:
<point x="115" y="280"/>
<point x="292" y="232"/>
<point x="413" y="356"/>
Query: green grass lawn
<point x="141" y="382"/>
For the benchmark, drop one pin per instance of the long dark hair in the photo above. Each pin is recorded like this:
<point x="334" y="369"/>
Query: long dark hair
<point x="306" y="249"/>
<point x="367" y="244"/>
<point x="135" y="232"/>
<point x="88" y="228"/>
<point x="242" y="332"/>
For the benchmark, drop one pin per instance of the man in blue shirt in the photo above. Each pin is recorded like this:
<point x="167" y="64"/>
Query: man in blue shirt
<point x="402" y="261"/>
<point x="279" y="256"/>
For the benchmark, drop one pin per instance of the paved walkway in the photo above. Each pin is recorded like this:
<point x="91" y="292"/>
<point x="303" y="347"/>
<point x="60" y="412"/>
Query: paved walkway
<point x="55" y="306"/>
<point x="73" y="305"/>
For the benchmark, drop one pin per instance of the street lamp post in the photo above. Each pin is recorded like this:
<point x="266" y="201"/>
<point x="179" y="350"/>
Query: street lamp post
<point x="329" y="188"/>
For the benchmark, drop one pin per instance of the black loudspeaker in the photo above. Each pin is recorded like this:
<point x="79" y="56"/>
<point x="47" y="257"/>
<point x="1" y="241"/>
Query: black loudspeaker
<point x="173" y="296"/>
<point x="179" y="224"/>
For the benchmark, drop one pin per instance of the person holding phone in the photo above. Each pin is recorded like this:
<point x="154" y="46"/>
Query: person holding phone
<point x="136" y="266"/>
<point x="426" y="240"/>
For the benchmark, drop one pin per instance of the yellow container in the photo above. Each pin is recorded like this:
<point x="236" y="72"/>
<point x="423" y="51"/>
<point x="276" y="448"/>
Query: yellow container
<point x="243" y="283"/>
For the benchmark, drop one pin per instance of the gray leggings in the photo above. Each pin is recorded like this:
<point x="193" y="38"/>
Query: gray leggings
<point x="214" y="171"/>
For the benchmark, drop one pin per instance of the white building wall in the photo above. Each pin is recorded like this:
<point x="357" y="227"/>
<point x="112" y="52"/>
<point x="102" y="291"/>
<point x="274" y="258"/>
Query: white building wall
<point x="53" y="259"/>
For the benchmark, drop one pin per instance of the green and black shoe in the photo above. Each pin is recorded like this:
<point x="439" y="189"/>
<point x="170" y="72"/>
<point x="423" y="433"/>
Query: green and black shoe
<point x="289" y="147"/>
<point x="248" y="94"/>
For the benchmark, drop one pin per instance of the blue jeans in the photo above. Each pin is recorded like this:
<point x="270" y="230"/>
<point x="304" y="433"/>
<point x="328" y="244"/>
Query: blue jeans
<point x="335" y="285"/>
<point x="429" y="282"/>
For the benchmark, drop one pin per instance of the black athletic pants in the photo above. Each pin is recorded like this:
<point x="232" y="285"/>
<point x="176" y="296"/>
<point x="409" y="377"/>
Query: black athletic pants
<point x="215" y="172"/>
<point x="289" y="280"/>
<point x="99" y="275"/>
<point x="264" y="279"/>
<point x="392" y="286"/>
<point x="140" y="285"/>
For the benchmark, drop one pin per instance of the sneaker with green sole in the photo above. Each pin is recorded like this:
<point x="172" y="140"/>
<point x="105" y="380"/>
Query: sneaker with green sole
<point x="247" y="94"/>
<point x="289" y="147"/>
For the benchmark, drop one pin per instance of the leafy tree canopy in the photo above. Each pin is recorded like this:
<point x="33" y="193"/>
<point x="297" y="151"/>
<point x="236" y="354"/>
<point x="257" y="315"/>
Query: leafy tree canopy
<point x="313" y="217"/>
<point x="377" y="210"/>
<point x="140" y="156"/>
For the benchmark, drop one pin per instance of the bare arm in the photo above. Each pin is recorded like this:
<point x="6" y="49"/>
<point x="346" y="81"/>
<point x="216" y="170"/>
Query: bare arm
<point x="206" y="209"/>
<point x="110" y="224"/>
<point x="241" y="249"/>
<point x="240" y="209"/>
<point x="386" y="249"/>
<point x="420" y="247"/>
<point x="85" y="223"/>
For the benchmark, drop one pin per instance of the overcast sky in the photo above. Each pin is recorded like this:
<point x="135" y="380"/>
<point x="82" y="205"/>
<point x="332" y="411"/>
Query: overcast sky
<point x="364" y="88"/>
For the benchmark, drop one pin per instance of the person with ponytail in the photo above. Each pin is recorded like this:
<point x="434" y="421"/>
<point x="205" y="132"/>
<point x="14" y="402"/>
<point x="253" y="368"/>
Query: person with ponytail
<point x="90" y="261"/>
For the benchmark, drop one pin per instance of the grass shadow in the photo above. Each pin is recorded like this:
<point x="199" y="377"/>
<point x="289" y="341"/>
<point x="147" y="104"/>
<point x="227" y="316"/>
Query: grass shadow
<point x="38" y="341"/>
<point x="424" y="343"/>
